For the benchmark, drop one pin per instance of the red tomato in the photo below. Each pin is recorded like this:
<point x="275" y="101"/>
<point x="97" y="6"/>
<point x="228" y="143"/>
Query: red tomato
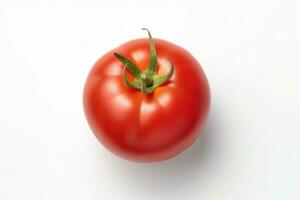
<point x="146" y="102"/>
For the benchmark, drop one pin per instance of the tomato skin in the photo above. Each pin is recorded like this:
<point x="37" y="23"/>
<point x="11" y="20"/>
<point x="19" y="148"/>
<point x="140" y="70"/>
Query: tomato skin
<point x="150" y="127"/>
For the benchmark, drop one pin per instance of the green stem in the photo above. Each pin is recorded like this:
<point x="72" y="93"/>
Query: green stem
<point x="146" y="81"/>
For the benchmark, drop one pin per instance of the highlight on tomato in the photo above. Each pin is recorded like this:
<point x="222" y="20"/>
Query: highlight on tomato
<point x="146" y="100"/>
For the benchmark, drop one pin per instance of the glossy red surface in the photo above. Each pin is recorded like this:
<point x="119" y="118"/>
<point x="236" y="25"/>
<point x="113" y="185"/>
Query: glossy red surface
<point x="149" y="127"/>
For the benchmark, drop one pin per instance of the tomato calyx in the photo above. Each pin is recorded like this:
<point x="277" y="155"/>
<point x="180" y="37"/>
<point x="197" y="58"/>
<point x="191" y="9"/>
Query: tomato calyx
<point x="147" y="80"/>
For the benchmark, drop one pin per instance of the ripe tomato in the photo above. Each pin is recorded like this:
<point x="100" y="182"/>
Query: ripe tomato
<point x="146" y="102"/>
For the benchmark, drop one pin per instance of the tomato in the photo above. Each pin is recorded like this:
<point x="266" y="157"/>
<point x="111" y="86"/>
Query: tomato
<point x="146" y="102"/>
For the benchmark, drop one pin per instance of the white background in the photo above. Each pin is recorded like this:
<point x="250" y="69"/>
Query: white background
<point x="249" y="50"/>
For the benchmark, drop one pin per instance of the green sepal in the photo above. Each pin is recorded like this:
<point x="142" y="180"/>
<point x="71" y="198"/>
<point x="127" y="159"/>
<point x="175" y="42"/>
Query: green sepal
<point x="146" y="81"/>
<point x="163" y="78"/>
<point x="153" y="60"/>
<point x="132" y="68"/>
<point x="133" y="84"/>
